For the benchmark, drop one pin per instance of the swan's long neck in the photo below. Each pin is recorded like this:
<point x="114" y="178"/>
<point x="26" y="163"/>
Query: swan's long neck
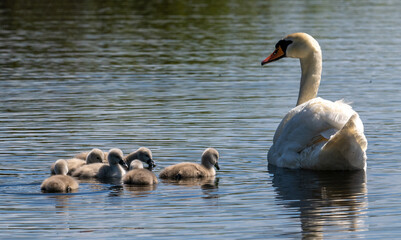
<point x="311" y="73"/>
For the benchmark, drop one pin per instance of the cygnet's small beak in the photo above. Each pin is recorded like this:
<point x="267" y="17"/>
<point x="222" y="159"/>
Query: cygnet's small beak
<point x="217" y="166"/>
<point x="151" y="164"/>
<point x="123" y="164"/>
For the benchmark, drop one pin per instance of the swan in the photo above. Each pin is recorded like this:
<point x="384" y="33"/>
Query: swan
<point x="59" y="183"/>
<point x="144" y="154"/>
<point x="94" y="156"/>
<point x="185" y="170"/>
<point x="317" y="134"/>
<point x="138" y="175"/>
<point x="115" y="168"/>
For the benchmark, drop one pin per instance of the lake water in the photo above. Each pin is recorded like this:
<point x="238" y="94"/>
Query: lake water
<point x="179" y="77"/>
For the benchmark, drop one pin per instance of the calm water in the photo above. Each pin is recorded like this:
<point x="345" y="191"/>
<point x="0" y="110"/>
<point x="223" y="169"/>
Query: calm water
<point x="178" y="77"/>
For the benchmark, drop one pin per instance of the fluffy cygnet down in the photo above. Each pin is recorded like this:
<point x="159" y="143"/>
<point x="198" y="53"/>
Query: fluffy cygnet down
<point x="94" y="156"/>
<point x="115" y="168"/>
<point x="143" y="154"/>
<point x="59" y="183"/>
<point x="138" y="175"/>
<point x="183" y="170"/>
<point x="72" y="164"/>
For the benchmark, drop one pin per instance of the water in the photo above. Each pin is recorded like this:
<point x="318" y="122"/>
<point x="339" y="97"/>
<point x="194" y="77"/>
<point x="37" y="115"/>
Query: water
<point x="178" y="77"/>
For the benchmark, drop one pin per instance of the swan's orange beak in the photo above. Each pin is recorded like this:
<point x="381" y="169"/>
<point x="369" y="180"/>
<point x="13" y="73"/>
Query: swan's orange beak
<point x="276" y="55"/>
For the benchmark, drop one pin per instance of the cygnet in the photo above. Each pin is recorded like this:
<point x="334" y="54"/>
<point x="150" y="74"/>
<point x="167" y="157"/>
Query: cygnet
<point x="138" y="175"/>
<point x="115" y="168"/>
<point x="144" y="154"/>
<point x="94" y="156"/>
<point x="59" y="183"/>
<point x="184" y="170"/>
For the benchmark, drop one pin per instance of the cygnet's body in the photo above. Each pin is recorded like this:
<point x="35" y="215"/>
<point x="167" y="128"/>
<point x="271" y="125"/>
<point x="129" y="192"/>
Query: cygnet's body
<point x="116" y="167"/>
<point x="72" y="164"/>
<point x="88" y="171"/>
<point x="59" y="183"/>
<point x="99" y="170"/>
<point x="138" y="175"/>
<point x="143" y="154"/>
<point x="193" y="170"/>
<point x="94" y="156"/>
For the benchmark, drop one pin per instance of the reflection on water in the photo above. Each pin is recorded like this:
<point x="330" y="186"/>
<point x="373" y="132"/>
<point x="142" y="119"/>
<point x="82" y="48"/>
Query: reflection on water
<point x="209" y="185"/>
<point x="140" y="190"/>
<point x="335" y="200"/>
<point x="206" y="182"/>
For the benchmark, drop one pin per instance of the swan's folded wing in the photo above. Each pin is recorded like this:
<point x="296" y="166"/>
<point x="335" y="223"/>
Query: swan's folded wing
<point x="305" y="126"/>
<point x="346" y="150"/>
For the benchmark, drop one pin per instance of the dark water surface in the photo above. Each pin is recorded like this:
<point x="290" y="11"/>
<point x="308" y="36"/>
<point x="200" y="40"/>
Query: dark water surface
<point x="178" y="77"/>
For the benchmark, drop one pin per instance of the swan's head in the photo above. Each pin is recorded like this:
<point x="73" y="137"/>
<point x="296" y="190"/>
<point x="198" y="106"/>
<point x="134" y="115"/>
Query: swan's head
<point x="296" y="45"/>
<point x="144" y="154"/>
<point x="136" y="164"/>
<point x="95" y="156"/>
<point x="210" y="158"/>
<point x="115" y="157"/>
<point x="61" y="167"/>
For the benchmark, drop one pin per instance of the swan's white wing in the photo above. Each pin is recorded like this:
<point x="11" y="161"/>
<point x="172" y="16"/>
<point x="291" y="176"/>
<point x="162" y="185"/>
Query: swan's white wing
<point x="306" y="129"/>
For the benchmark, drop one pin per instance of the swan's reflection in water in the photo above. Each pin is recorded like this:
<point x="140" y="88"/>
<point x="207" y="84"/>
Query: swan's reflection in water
<point x="140" y="190"/>
<point x="327" y="201"/>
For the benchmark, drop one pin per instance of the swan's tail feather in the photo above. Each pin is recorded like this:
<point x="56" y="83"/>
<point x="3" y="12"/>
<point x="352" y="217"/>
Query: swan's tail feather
<point x="346" y="150"/>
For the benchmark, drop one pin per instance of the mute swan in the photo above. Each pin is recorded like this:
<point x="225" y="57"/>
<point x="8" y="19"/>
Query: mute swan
<point x="60" y="182"/>
<point x="144" y="154"/>
<point x="194" y="170"/>
<point x="115" y="169"/>
<point x="72" y="164"/>
<point x="317" y="134"/>
<point x="138" y="175"/>
<point x="94" y="156"/>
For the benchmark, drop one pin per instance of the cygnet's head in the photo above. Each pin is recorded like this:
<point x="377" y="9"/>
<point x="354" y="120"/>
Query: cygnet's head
<point x="210" y="158"/>
<point x="95" y="156"/>
<point x="295" y="45"/>
<point x="115" y="157"/>
<point x="136" y="164"/>
<point x="61" y="167"/>
<point x="145" y="155"/>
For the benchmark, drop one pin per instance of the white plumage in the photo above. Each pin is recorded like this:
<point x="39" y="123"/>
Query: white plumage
<point x="317" y="134"/>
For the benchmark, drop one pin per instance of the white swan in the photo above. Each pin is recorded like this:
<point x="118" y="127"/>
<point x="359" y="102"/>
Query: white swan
<point x="317" y="134"/>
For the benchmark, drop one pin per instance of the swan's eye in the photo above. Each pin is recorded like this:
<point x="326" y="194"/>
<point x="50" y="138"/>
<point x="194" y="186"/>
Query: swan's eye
<point x="283" y="44"/>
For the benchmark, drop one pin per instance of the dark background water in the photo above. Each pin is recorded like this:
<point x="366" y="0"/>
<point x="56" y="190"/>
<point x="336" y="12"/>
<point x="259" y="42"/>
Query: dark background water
<point x="180" y="76"/>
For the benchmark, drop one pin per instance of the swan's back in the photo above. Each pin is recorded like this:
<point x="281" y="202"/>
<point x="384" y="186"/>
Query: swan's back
<point x="140" y="177"/>
<point x="209" y="160"/>
<point x="88" y="171"/>
<point x="61" y="182"/>
<point x="186" y="170"/>
<point x="307" y="128"/>
<point x="72" y="163"/>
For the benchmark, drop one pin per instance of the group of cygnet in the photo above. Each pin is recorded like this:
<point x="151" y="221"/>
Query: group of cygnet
<point x="93" y="165"/>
